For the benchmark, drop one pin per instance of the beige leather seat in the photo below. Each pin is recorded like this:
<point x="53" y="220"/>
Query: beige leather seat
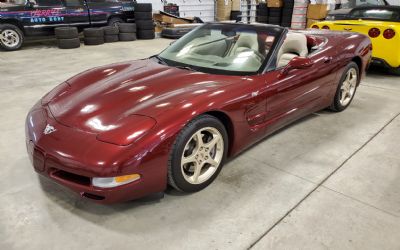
<point x="294" y="45"/>
<point x="245" y="42"/>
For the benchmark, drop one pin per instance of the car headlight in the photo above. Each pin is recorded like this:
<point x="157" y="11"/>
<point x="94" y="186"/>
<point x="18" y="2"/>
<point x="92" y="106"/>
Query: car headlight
<point x="110" y="182"/>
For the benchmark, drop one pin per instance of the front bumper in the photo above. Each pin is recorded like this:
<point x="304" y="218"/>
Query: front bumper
<point x="71" y="157"/>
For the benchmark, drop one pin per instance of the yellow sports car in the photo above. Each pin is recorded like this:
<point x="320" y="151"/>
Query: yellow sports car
<point x="381" y="24"/>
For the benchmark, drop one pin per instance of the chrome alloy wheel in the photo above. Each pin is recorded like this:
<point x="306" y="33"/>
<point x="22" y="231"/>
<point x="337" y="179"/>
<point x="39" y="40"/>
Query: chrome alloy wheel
<point x="9" y="38"/>
<point x="348" y="87"/>
<point x="202" y="155"/>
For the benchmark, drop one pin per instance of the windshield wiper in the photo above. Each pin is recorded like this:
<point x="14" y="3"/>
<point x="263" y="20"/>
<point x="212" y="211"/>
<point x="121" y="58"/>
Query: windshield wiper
<point x="185" y="67"/>
<point x="160" y="60"/>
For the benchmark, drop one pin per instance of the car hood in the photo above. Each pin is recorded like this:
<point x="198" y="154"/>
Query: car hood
<point x="100" y="99"/>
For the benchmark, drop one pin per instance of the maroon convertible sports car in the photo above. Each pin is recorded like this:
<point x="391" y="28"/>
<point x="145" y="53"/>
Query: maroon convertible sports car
<point x="122" y="131"/>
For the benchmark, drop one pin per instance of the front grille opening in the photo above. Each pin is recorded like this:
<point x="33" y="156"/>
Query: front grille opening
<point x="92" y="196"/>
<point x="78" y="179"/>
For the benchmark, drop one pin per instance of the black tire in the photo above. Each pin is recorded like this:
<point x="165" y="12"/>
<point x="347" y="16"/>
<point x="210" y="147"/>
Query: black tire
<point x="395" y="71"/>
<point x="262" y="6"/>
<point x="114" y="21"/>
<point x="143" y="7"/>
<point x="275" y="12"/>
<point x="15" y="31"/>
<point x="71" y="43"/>
<point x="93" y="32"/>
<point x="94" y="40"/>
<point x="127" y="27"/>
<point x="111" y="38"/>
<point x="175" y="176"/>
<point x="126" y="37"/>
<point x="336" y="105"/>
<point x="146" y="34"/>
<point x="274" y="20"/>
<point x="143" y="16"/>
<point x="66" y="32"/>
<point x="110" y="30"/>
<point x="262" y="19"/>
<point x="145" y="24"/>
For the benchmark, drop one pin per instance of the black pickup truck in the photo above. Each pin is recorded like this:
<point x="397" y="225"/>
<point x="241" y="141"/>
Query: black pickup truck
<point x="20" y="19"/>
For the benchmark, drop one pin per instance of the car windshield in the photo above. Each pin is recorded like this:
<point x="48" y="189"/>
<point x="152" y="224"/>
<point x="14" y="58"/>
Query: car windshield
<point x="222" y="48"/>
<point x="355" y="3"/>
<point x="376" y="14"/>
<point x="9" y="3"/>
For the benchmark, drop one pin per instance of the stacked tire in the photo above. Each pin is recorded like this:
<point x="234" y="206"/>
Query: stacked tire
<point x="287" y="13"/>
<point x="127" y="32"/>
<point x="93" y="36"/>
<point x="144" y="21"/>
<point x="67" y="37"/>
<point x="275" y="15"/>
<point x="111" y="34"/>
<point x="262" y="13"/>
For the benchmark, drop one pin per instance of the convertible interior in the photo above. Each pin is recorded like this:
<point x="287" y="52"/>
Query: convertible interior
<point x="244" y="51"/>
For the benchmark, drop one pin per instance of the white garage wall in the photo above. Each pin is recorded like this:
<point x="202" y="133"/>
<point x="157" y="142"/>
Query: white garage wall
<point x="189" y="8"/>
<point x="394" y="2"/>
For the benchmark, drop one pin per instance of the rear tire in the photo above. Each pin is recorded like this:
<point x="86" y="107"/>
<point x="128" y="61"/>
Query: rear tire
<point x="346" y="88"/>
<point x="203" y="145"/>
<point x="11" y="37"/>
<point x="114" y="21"/>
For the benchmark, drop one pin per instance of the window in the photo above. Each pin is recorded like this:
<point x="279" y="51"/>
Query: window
<point x="378" y="14"/>
<point x="73" y="3"/>
<point x="9" y="3"/>
<point x="47" y="3"/>
<point x="355" y="3"/>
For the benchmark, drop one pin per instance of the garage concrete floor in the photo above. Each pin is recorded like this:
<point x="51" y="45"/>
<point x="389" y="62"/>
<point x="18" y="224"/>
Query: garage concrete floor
<point x="329" y="181"/>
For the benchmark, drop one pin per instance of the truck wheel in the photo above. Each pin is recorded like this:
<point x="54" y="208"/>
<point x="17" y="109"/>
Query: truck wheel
<point x="114" y="21"/>
<point x="69" y="43"/>
<point x="66" y="32"/>
<point x="11" y="37"/>
<point x="127" y="27"/>
<point x="94" y="40"/>
<point x="127" y="37"/>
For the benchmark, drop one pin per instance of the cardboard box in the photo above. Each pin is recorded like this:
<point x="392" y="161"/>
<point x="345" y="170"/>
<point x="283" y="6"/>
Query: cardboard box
<point x="310" y="22"/>
<point x="224" y="8"/>
<point x="235" y="5"/>
<point x="317" y="11"/>
<point x="168" y="19"/>
<point x="275" y="3"/>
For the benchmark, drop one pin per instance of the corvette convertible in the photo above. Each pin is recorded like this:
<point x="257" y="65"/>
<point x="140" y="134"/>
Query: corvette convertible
<point x="122" y="131"/>
<point x="381" y="24"/>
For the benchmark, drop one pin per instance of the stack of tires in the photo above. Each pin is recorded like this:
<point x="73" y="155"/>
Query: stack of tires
<point x="93" y="36"/>
<point x="127" y="32"/>
<point x="67" y="37"/>
<point x="262" y="13"/>
<point x="144" y="21"/>
<point x="287" y="13"/>
<point x="275" y="15"/>
<point x="111" y="34"/>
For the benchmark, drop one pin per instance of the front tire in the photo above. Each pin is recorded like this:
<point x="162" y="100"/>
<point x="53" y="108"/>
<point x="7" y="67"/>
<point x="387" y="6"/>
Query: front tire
<point x="198" y="154"/>
<point x="347" y="88"/>
<point x="11" y="37"/>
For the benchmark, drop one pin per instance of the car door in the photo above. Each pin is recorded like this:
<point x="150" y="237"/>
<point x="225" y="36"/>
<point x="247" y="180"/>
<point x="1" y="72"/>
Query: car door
<point x="43" y="17"/>
<point x="299" y="91"/>
<point x="100" y="10"/>
<point x="77" y="13"/>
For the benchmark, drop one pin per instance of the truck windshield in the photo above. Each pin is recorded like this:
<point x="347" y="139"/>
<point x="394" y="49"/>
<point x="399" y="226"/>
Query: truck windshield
<point x="233" y="49"/>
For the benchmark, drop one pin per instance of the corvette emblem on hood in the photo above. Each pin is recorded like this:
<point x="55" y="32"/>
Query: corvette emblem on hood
<point x="49" y="129"/>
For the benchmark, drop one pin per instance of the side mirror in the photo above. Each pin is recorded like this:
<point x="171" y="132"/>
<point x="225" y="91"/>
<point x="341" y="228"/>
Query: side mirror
<point x="297" y="63"/>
